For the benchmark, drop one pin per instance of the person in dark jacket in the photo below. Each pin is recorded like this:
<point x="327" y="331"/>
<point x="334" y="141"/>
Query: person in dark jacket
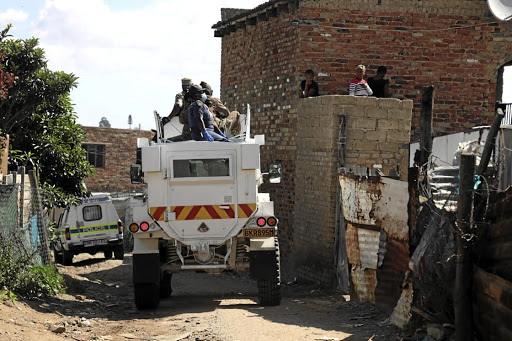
<point x="378" y="84"/>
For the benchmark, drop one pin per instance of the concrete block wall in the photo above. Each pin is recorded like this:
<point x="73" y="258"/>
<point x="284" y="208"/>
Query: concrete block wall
<point x="378" y="132"/>
<point x="120" y="153"/>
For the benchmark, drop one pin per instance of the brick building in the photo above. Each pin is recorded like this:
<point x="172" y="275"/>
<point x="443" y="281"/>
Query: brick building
<point x="456" y="46"/>
<point x="111" y="152"/>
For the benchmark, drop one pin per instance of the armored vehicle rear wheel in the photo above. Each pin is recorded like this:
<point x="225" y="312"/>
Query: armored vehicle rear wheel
<point x="146" y="296"/>
<point x="165" y="285"/>
<point x="268" y="276"/>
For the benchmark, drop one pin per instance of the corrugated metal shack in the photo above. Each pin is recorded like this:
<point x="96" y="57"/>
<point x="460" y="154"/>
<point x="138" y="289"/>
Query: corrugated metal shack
<point x="401" y="243"/>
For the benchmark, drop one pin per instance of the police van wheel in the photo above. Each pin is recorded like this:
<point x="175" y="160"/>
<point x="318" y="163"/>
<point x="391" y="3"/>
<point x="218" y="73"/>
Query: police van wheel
<point x="107" y="253"/>
<point x="146" y="296"/>
<point x="67" y="257"/>
<point x="59" y="259"/>
<point x="165" y="285"/>
<point x="119" y="252"/>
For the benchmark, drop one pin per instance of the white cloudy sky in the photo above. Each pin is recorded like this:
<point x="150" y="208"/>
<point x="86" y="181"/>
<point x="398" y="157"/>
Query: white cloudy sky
<point x="129" y="55"/>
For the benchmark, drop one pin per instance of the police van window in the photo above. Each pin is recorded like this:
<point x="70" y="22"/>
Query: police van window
<point x="195" y="168"/>
<point x="92" y="212"/>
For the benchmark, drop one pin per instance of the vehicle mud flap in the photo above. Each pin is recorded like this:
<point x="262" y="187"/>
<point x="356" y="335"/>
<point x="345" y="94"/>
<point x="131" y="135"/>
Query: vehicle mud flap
<point x="265" y="268"/>
<point x="146" y="280"/>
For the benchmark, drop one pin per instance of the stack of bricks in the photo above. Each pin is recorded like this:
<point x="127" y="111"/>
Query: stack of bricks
<point x="377" y="133"/>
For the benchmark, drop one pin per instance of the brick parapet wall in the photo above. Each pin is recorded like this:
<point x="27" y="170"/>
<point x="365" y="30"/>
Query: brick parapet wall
<point x="439" y="7"/>
<point x="378" y="132"/>
<point x="120" y="153"/>
<point x="454" y="46"/>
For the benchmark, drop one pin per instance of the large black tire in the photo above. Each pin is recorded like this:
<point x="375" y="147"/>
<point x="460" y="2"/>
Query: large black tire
<point x="59" y="259"/>
<point x="165" y="285"/>
<point x="146" y="296"/>
<point x="107" y="253"/>
<point x="67" y="257"/>
<point x="269" y="290"/>
<point x="119" y="252"/>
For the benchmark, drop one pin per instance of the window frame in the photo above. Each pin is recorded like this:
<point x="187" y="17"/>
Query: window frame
<point x="95" y="151"/>
<point x="92" y="206"/>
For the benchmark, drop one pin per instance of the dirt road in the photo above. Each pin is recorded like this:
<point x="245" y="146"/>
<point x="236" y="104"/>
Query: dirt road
<point x="99" y="306"/>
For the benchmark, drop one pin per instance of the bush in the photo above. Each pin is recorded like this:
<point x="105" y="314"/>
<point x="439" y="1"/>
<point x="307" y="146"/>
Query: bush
<point x="19" y="275"/>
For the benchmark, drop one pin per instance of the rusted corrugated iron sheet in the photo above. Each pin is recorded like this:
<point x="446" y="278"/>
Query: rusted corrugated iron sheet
<point x="352" y="239"/>
<point x="375" y="210"/>
<point x="363" y="281"/>
<point x="402" y="312"/>
<point x="492" y="306"/>
<point x="377" y="201"/>
<point x="391" y="274"/>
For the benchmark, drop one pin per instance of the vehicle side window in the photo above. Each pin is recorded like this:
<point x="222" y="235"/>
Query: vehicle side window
<point x="91" y="212"/>
<point x="194" y="168"/>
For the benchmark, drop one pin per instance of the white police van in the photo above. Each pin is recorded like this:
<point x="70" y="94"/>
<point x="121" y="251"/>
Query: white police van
<point x="91" y="227"/>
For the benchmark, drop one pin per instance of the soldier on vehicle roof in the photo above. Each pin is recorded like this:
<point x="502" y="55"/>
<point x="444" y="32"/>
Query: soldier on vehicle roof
<point x="202" y="125"/>
<point x="181" y="104"/>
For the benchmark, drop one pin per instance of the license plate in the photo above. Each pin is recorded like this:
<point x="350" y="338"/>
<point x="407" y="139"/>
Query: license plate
<point x="95" y="242"/>
<point x="261" y="232"/>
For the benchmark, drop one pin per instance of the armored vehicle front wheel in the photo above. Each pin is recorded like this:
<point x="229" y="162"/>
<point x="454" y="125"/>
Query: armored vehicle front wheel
<point x="146" y="296"/>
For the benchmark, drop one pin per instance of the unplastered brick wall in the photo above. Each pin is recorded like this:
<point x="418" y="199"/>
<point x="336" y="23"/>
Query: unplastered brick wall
<point x="259" y="68"/>
<point x="377" y="134"/>
<point x="456" y="46"/>
<point x="120" y="153"/>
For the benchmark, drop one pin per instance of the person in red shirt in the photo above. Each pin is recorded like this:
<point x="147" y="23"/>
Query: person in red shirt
<point x="358" y="86"/>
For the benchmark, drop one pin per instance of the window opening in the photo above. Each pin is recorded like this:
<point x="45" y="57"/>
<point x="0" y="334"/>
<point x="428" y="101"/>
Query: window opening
<point x="92" y="212"/>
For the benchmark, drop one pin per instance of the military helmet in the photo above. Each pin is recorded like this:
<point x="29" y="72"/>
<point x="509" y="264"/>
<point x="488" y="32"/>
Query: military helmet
<point x="195" y="90"/>
<point x="207" y="88"/>
<point x="186" y="81"/>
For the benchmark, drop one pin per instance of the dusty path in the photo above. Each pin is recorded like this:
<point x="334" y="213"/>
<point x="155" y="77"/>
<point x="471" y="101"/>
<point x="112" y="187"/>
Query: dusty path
<point x="99" y="306"/>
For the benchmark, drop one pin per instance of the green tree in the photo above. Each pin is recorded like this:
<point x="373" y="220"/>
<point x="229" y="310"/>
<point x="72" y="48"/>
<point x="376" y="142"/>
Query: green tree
<point x="38" y="115"/>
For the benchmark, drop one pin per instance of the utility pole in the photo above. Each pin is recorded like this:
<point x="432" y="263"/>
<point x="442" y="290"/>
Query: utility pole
<point x="464" y="271"/>
<point x="427" y="104"/>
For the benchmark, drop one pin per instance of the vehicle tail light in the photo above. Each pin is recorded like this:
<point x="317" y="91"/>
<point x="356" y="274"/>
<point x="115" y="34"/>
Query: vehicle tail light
<point x="120" y="226"/>
<point x="133" y="227"/>
<point x="144" y="226"/>
<point x="271" y="221"/>
<point x="261" y="221"/>
<point x="67" y="233"/>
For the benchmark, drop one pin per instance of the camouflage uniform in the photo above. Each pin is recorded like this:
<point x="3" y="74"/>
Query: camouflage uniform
<point x="183" y="101"/>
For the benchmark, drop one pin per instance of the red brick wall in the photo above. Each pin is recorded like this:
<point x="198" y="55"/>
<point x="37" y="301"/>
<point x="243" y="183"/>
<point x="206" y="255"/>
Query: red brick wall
<point x="120" y="153"/>
<point x="258" y="68"/>
<point x="263" y="64"/>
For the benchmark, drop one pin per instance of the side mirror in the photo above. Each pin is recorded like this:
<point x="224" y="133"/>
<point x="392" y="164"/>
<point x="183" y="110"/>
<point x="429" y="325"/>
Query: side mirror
<point x="274" y="173"/>
<point x="136" y="174"/>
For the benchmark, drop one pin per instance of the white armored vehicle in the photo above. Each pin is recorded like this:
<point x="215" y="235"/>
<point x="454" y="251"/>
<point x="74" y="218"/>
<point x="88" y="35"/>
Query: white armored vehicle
<point x="202" y="211"/>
